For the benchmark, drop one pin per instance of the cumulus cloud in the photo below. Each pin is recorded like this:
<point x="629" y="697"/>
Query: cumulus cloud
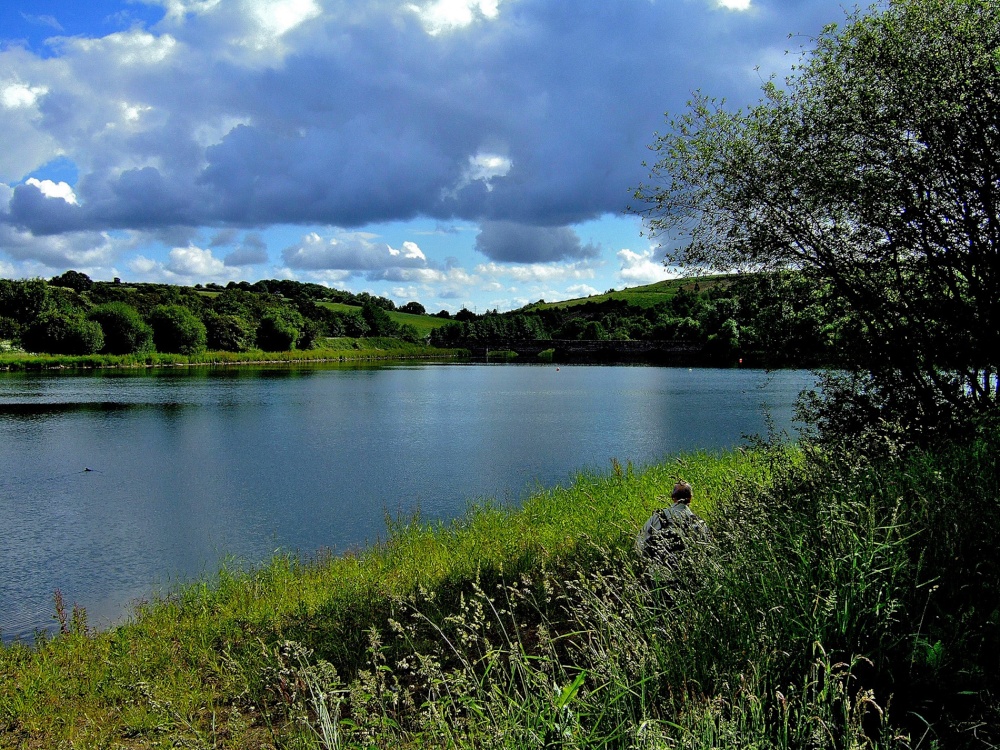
<point x="357" y="253"/>
<point x="444" y="15"/>
<point x="51" y="189"/>
<point x="521" y="118"/>
<point x="184" y="265"/>
<point x="519" y="243"/>
<point x="196" y="263"/>
<point x="250" y="112"/>
<point x="537" y="273"/>
<point x="68" y="250"/>
<point x="17" y="95"/>
<point x="581" y="290"/>
<point x="642" y="268"/>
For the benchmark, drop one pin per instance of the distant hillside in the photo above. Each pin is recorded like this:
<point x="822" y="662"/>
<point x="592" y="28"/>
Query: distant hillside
<point x="423" y="323"/>
<point x="648" y="295"/>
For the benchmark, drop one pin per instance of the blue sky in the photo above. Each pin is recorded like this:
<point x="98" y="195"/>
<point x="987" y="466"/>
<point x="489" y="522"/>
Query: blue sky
<point x="470" y="153"/>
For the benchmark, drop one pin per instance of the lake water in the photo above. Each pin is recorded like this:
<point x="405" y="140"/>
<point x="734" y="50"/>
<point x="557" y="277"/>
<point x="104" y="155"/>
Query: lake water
<point x="114" y="485"/>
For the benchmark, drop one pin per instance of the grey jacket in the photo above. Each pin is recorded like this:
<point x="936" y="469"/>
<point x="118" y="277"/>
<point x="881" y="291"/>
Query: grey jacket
<point x="669" y="531"/>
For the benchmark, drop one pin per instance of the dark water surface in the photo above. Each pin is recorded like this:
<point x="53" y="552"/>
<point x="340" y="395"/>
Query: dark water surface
<point x="189" y="468"/>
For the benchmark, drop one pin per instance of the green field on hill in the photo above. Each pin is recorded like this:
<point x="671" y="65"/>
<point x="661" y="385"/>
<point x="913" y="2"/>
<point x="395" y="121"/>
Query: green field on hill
<point x="423" y="323"/>
<point x="648" y="295"/>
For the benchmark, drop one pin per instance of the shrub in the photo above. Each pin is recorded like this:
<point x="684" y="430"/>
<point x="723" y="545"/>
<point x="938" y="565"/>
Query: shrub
<point x="60" y="333"/>
<point x="177" y="330"/>
<point x="125" y="332"/>
<point x="230" y="333"/>
<point x="280" y="330"/>
<point x="409" y="333"/>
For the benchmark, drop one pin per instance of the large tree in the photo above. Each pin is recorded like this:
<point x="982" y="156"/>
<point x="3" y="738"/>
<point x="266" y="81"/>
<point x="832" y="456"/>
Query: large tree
<point x="875" y="171"/>
<point x="177" y="330"/>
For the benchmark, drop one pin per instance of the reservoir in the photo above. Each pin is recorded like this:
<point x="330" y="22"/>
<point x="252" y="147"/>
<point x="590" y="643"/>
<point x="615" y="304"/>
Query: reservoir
<point x="115" y="485"/>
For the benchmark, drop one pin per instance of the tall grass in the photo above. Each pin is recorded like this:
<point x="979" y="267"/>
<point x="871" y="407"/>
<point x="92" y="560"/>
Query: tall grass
<point x="819" y="618"/>
<point x="840" y="605"/>
<point x="199" y="663"/>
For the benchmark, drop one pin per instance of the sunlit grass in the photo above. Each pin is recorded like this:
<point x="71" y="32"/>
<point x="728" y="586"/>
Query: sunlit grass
<point x="209" y="646"/>
<point x="648" y="295"/>
<point x="819" y="618"/>
<point x="336" y="350"/>
<point x="423" y="323"/>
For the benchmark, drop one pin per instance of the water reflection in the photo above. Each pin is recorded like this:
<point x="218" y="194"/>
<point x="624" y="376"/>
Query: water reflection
<point x="190" y="466"/>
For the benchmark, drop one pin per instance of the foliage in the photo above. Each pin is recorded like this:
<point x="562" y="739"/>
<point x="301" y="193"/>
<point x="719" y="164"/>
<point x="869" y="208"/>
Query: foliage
<point x="765" y="319"/>
<point x="78" y="282"/>
<point x="414" y="308"/>
<point x="378" y="321"/>
<point x="874" y="173"/>
<point x="177" y="330"/>
<point x="59" y="333"/>
<point x="23" y="301"/>
<point x="280" y="330"/>
<point x="228" y="332"/>
<point x="409" y="333"/>
<point x="125" y="332"/>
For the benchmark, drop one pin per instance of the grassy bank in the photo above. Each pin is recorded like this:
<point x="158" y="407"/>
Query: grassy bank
<point x="842" y="605"/>
<point x="331" y="350"/>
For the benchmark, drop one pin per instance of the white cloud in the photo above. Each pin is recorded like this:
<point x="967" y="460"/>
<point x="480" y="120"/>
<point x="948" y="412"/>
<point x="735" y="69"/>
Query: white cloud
<point x="59" y="251"/>
<point x="483" y="167"/>
<point x="734" y="4"/>
<point x="184" y="265"/>
<point x="128" y="48"/>
<point x="534" y="118"/>
<point x="194" y="262"/>
<point x="351" y="252"/>
<point x="537" y="272"/>
<point x="444" y="15"/>
<point x="178" y="9"/>
<point x="580" y="290"/>
<point x="21" y="96"/>
<point x="642" y="268"/>
<point x="409" y="251"/>
<point x="281" y="16"/>
<point x="52" y="189"/>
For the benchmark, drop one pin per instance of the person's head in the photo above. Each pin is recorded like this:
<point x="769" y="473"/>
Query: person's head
<point x="682" y="492"/>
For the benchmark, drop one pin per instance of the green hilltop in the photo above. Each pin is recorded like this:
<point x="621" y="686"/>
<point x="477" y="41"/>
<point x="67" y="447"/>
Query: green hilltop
<point x="647" y="295"/>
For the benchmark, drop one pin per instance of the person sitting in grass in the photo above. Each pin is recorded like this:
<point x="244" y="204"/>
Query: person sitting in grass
<point x="670" y="531"/>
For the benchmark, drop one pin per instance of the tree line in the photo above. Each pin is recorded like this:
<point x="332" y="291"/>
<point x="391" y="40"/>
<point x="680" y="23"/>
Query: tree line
<point x="72" y="314"/>
<point x="767" y="319"/>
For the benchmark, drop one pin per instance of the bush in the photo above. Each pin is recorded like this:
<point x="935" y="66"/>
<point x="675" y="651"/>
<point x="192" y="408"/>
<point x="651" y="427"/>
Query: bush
<point x="125" y="332"/>
<point x="177" y="330"/>
<point x="230" y="333"/>
<point x="409" y="333"/>
<point x="280" y="330"/>
<point x="60" y="333"/>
